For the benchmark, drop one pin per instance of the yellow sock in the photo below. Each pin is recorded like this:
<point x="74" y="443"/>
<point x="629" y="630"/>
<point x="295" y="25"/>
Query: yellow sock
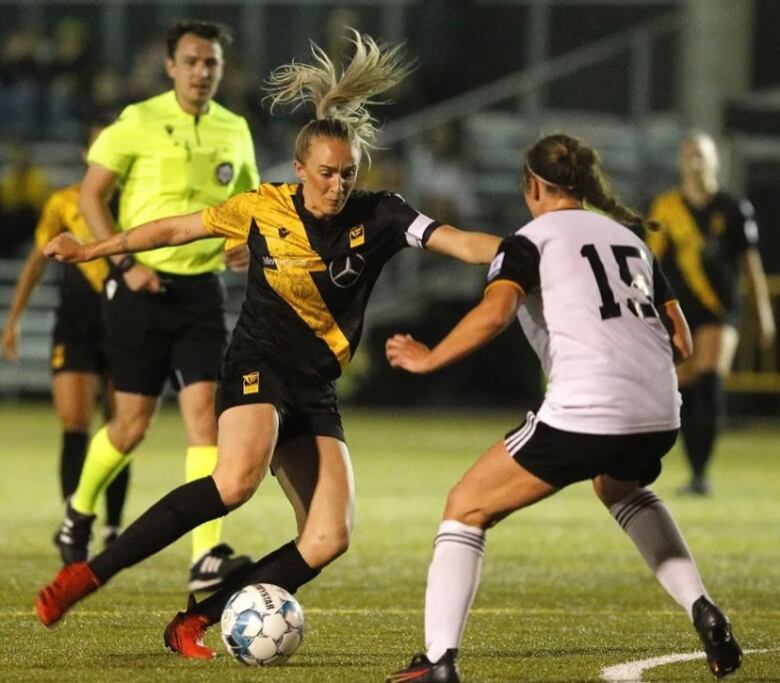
<point x="200" y="463"/>
<point x="102" y="464"/>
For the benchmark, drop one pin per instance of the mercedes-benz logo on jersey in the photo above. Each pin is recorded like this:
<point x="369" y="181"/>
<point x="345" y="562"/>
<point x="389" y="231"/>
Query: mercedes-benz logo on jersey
<point x="224" y="173"/>
<point x="346" y="270"/>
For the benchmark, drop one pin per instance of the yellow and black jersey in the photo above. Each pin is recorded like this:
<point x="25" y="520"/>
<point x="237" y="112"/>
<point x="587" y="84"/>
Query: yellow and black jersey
<point x="700" y="250"/>
<point x="309" y="279"/>
<point x="61" y="214"/>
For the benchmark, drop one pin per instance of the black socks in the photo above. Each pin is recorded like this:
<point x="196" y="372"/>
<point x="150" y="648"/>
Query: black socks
<point x="283" y="567"/>
<point x="72" y="454"/>
<point x="168" y="519"/>
<point x="702" y="405"/>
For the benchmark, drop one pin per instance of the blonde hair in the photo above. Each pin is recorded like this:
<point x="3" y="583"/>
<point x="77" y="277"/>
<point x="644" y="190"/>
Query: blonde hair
<point x="340" y="100"/>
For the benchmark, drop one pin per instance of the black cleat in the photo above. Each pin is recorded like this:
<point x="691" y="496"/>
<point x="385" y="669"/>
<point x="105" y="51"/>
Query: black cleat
<point x="73" y="536"/>
<point x="212" y="569"/>
<point x="421" y="670"/>
<point x="724" y="655"/>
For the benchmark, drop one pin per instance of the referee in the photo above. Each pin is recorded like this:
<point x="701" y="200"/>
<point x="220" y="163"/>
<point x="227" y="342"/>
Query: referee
<point x="174" y="153"/>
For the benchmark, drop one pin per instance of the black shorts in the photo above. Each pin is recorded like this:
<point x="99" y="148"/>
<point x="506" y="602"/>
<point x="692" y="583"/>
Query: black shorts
<point x="561" y="458"/>
<point x="698" y="315"/>
<point x="177" y="335"/>
<point x="78" y="339"/>
<point x="304" y="410"/>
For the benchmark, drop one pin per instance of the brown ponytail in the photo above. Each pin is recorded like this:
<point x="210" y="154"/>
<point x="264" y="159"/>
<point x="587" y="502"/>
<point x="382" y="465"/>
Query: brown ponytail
<point x="568" y="165"/>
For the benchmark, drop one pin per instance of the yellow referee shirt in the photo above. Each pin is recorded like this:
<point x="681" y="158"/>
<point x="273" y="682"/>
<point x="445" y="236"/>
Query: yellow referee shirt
<point x="170" y="162"/>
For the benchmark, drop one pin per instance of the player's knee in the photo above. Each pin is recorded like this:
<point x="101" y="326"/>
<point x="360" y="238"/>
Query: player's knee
<point x="464" y="508"/>
<point x="126" y="434"/>
<point x="236" y="488"/>
<point x="324" y="545"/>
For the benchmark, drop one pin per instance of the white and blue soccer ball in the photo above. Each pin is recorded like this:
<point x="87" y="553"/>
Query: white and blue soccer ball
<point x="262" y="625"/>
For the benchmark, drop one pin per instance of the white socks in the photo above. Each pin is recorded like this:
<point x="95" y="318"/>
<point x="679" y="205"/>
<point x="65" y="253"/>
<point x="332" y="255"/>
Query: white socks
<point x="649" y="524"/>
<point x="453" y="578"/>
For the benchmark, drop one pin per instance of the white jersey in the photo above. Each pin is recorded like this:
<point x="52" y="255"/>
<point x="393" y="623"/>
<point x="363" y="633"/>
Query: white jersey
<point x="592" y="288"/>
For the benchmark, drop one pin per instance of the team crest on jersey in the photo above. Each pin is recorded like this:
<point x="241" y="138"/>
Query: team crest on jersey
<point x="717" y="223"/>
<point x="252" y="383"/>
<point x="283" y="232"/>
<point x="346" y="270"/>
<point x="224" y="173"/>
<point x="58" y="356"/>
<point x="357" y="236"/>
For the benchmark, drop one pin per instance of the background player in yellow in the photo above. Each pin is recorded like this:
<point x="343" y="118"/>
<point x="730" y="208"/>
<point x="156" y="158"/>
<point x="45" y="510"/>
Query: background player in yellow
<point x="707" y="238"/>
<point x="176" y="152"/>
<point x="78" y="358"/>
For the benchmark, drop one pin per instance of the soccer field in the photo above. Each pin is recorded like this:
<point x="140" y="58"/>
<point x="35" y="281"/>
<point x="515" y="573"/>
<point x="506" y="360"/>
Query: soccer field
<point x="564" y="595"/>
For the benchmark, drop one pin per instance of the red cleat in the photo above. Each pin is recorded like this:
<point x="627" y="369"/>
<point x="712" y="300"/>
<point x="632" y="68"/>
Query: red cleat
<point x="184" y="635"/>
<point x="72" y="583"/>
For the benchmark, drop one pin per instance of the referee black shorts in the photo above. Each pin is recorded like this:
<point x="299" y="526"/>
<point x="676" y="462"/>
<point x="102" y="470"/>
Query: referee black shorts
<point x="561" y="458"/>
<point x="303" y="409"/>
<point x="177" y="335"/>
<point x="78" y="339"/>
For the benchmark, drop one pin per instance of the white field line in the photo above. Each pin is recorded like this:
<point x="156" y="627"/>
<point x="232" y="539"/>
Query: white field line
<point x="631" y="672"/>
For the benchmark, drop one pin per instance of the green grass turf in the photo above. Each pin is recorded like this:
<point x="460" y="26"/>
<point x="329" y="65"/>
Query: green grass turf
<point x="563" y="593"/>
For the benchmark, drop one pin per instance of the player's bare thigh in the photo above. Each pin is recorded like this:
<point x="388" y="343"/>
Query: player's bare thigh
<point x="494" y="487"/>
<point x="713" y="351"/>
<point x="316" y="475"/>
<point x="246" y="442"/>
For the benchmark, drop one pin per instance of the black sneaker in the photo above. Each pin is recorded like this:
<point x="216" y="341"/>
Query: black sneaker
<point x="72" y="538"/>
<point x="724" y="655"/>
<point x="211" y="570"/>
<point x="421" y="670"/>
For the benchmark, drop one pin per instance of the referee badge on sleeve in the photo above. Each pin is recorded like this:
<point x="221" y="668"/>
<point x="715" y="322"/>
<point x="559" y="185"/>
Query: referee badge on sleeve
<point x="252" y="383"/>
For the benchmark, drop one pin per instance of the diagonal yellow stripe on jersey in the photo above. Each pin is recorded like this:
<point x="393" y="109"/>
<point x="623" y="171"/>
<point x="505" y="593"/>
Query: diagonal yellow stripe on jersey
<point x="296" y="260"/>
<point x="689" y="244"/>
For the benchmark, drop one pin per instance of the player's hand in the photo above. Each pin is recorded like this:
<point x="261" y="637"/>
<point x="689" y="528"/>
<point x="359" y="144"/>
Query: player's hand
<point x="141" y="278"/>
<point x="65" y="248"/>
<point x="237" y="258"/>
<point x="10" y="343"/>
<point x="406" y="353"/>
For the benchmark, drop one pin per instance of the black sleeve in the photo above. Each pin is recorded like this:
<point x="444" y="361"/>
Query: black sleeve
<point x="410" y="228"/>
<point x="517" y="260"/>
<point x="662" y="290"/>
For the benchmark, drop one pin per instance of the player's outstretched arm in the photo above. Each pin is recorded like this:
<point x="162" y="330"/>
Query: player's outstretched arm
<point x="464" y="245"/>
<point x="481" y="324"/>
<point x="165" y="232"/>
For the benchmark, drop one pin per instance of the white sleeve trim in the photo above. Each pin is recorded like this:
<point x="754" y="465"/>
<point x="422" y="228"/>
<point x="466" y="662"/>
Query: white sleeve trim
<point x="416" y="231"/>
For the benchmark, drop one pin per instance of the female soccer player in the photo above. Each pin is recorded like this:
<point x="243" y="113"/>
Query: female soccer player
<point x="707" y="236"/>
<point x="317" y="249"/>
<point x="600" y="315"/>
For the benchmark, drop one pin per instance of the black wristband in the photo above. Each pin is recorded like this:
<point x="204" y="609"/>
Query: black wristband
<point x="125" y="264"/>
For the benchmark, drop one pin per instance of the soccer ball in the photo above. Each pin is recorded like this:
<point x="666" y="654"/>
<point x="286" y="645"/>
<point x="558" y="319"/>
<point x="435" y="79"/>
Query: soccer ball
<point x="262" y="625"/>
